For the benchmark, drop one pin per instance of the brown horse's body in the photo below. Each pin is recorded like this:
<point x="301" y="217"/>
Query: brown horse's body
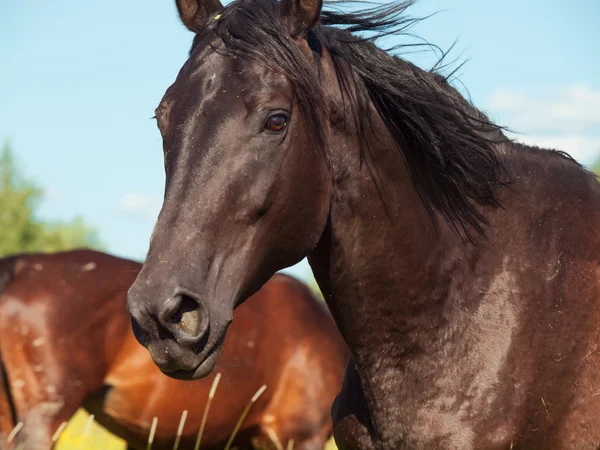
<point x="66" y="341"/>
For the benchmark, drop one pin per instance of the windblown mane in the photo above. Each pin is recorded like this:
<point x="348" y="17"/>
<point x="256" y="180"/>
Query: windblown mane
<point x="448" y="145"/>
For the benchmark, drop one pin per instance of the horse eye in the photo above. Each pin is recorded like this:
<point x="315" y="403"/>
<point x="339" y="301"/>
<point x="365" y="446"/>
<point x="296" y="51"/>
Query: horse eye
<point x="276" y="123"/>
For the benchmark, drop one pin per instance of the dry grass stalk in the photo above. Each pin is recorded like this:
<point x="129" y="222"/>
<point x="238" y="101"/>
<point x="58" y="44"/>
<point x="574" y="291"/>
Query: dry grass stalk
<point x="14" y="432"/>
<point x="290" y="445"/>
<point x="58" y="432"/>
<point x="274" y="439"/>
<point x="152" y="431"/>
<point x="88" y="425"/>
<point x="180" y="429"/>
<point x="211" y="394"/>
<point x="243" y="416"/>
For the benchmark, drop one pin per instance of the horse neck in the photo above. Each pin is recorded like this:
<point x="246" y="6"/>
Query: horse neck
<point x="382" y="265"/>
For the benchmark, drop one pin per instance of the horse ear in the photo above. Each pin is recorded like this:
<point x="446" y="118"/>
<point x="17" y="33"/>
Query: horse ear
<point x="301" y="15"/>
<point x="194" y="13"/>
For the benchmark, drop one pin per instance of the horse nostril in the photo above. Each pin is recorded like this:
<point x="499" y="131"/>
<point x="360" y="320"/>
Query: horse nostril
<point x="186" y="316"/>
<point x="183" y="316"/>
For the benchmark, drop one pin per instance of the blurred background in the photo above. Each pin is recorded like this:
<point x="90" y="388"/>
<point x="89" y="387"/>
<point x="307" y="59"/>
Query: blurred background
<point x="81" y="161"/>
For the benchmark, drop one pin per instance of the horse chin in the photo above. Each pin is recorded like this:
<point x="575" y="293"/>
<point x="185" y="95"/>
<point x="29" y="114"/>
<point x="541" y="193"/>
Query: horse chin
<point x="208" y="361"/>
<point x="201" y="371"/>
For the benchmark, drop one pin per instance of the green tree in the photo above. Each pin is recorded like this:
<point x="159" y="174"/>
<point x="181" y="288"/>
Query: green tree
<point x="20" y="229"/>
<point x="596" y="167"/>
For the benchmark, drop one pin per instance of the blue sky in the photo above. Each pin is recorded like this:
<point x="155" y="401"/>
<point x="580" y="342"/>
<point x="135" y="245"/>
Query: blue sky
<point x="80" y="81"/>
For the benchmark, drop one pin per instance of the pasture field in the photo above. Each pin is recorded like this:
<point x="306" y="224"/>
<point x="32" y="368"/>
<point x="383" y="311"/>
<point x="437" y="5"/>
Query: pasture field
<point x="98" y="438"/>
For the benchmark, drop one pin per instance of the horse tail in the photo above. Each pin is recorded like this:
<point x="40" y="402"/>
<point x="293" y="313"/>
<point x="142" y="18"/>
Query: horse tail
<point x="7" y="271"/>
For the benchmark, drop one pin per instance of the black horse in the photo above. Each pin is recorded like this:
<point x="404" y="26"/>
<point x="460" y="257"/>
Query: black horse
<point x="461" y="268"/>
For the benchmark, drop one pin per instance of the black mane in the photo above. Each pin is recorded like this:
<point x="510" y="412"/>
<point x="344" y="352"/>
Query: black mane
<point x="448" y="145"/>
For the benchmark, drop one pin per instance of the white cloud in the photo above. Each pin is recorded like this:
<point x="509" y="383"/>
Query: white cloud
<point x="141" y="204"/>
<point x="565" y="118"/>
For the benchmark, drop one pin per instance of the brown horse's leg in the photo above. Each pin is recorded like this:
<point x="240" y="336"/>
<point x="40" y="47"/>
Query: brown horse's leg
<point x="42" y="414"/>
<point x="42" y="397"/>
<point x="276" y="437"/>
<point x="299" y="408"/>
<point x="7" y="422"/>
<point x="42" y="404"/>
<point x="6" y="413"/>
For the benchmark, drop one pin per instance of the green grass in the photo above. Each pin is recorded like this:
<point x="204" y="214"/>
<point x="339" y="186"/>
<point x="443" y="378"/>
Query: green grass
<point x="98" y="438"/>
<point x="330" y="445"/>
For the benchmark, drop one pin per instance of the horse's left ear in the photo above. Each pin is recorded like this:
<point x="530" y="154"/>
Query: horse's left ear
<point x="194" y="13"/>
<point x="301" y="15"/>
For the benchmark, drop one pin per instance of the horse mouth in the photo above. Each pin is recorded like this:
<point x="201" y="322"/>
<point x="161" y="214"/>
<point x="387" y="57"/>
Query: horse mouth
<point x="206" y="365"/>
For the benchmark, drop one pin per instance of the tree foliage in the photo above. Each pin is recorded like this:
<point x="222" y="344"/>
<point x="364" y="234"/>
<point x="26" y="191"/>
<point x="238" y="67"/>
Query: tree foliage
<point x="20" y="228"/>
<point x="596" y="167"/>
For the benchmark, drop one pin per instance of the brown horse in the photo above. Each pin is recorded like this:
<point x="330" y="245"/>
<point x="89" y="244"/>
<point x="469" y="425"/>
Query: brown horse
<point x="66" y="341"/>
<point x="461" y="268"/>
